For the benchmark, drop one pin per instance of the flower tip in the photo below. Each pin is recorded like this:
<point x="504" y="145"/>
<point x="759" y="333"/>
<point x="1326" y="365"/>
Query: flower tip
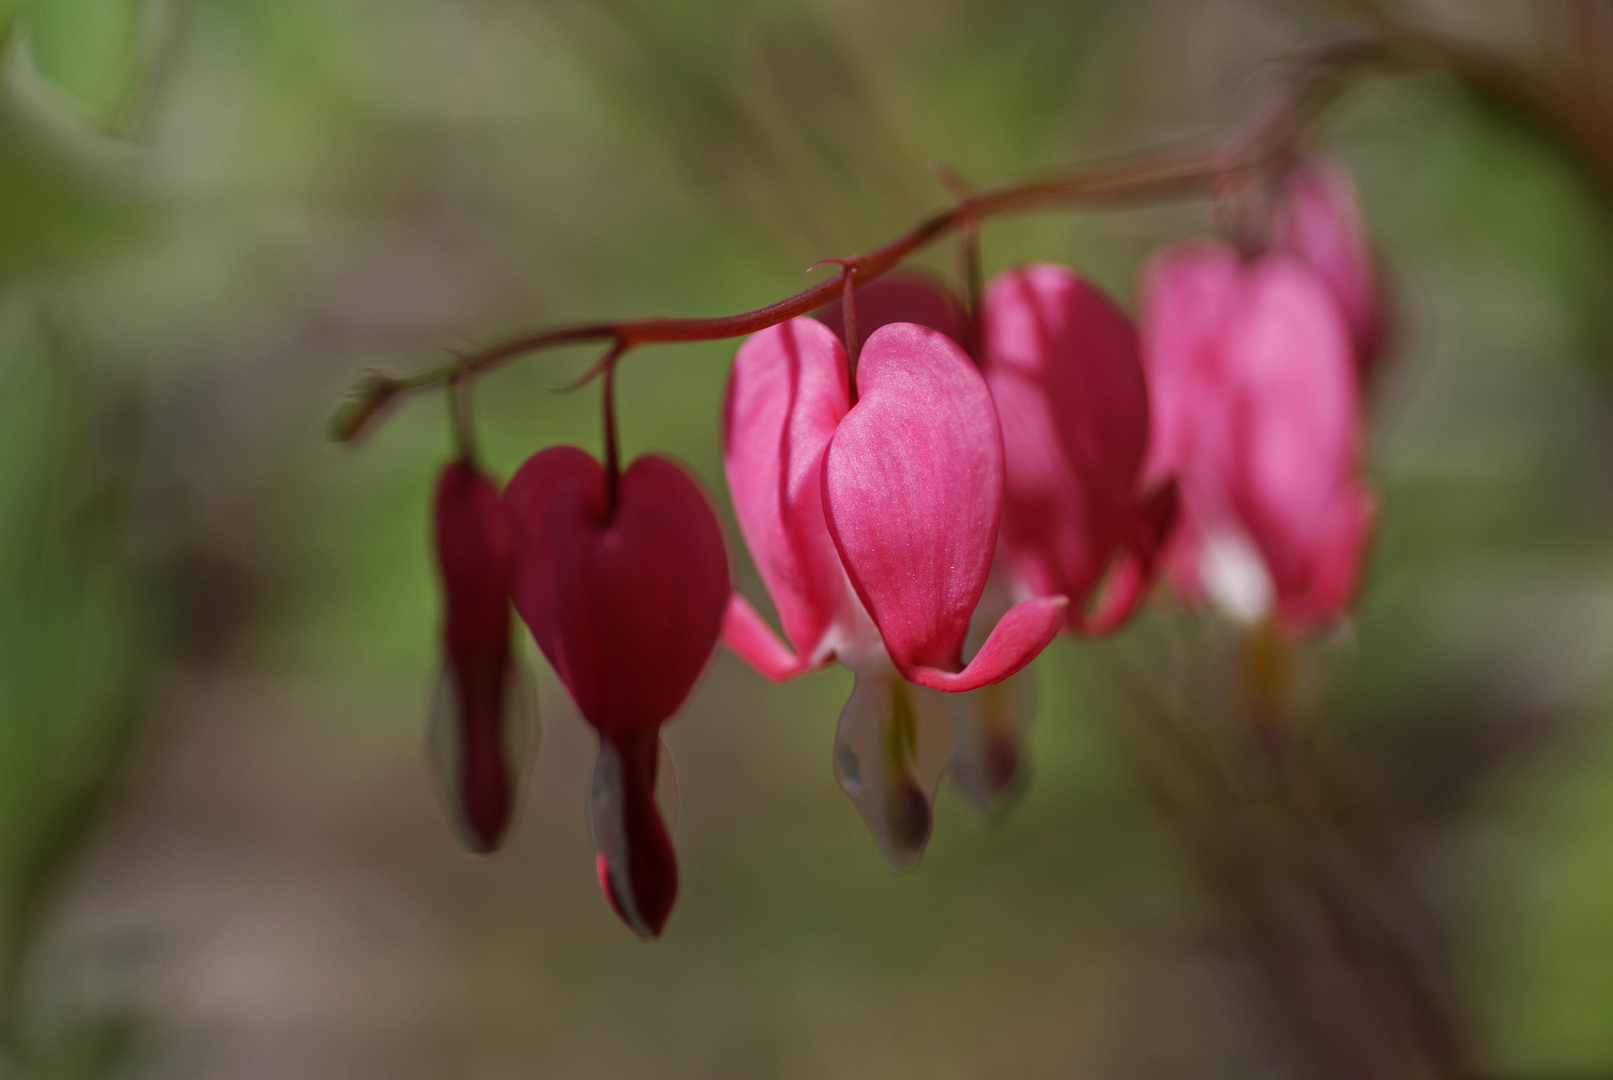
<point x="645" y="920"/>
<point x="909" y="819"/>
<point x="484" y="832"/>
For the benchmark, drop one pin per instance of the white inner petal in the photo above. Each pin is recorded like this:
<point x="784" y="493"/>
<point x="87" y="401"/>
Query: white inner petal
<point x="1235" y="578"/>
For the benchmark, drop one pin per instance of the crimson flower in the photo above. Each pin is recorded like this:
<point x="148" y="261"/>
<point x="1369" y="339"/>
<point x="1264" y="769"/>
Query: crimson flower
<point x="873" y="527"/>
<point x="624" y="592"/>
<point x="1256" y="410"/>
<point x="480" y="715"/>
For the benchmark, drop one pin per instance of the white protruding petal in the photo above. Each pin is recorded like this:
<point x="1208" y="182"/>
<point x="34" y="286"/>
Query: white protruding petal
<point x="606" y="806"/>
<point x="891" y="746"/>
<point x="989" y="724"/>
<point x="988" y="732"/>
<point x="1234" y="576"/>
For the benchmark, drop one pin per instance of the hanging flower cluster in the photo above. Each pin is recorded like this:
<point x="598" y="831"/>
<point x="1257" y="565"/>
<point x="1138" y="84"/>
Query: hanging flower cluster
<point x="931" y="491"/>
<point x="622" y="581"/>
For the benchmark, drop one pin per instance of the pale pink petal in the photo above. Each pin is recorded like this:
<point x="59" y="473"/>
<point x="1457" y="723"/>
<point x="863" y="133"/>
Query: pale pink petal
<point x="1188" y="296"/>
<point x="913" y="487"/>
<point x="1336" y="556"/>
<point x="786" y="394"/>
<point x="1319" y="223"/>
<point x="1296" y="414"/>
<point x="892" y="746"/>
<point x="1062" y="365"/>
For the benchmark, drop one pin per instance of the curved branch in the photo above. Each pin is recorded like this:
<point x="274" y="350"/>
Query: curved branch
<point x="1147" y="177"/>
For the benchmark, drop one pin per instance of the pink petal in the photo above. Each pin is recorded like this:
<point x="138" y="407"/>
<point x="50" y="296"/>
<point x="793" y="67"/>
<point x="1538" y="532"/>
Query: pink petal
<point x="901" y="296"/>
<point x="1014" y="642"/>
<point x="1188" y="298"/>
<point x="1296" y="414"/>
<point x="746" y="633"/>
<point x="1062" y="365"/>
<point x="1141" y="556"/>
<point x="1337" y="551"/>
<point x="1257" y="409"/>
<point x="626" y="606"/>
<point x="913" y="487"/>
<point x="1319" y="223"/>
<point x="786" y="394"/>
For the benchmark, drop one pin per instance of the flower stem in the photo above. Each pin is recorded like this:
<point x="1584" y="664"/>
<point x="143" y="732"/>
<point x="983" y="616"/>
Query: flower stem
<point x="607" y="401"/>
<point x="460" y="420"/>
<point x="848" y="309"/>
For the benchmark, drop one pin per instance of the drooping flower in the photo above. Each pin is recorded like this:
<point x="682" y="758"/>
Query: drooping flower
<point x="625" y="601"/>
<point x="480" y="722"/>
<point x="873" y="527"/>
<point x="1318" y="221"/>
<point x="1256" y="410"/>
<point x="1063" y="367"/>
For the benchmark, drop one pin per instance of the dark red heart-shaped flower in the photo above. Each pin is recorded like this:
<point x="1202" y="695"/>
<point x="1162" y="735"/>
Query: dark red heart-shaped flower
<point x="626" y="601"/>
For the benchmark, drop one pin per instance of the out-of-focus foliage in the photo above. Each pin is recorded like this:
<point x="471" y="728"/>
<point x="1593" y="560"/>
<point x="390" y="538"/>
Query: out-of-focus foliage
<point x="81" y="626"/>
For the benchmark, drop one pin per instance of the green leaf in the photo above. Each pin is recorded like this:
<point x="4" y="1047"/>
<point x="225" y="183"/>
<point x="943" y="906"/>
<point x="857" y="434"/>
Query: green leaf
<point x="91" y="49"/>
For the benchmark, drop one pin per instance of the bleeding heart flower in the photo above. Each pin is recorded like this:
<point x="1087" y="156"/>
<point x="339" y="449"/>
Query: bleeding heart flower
<point x="626" y="602"/>
<point x="873" y="527"/>
<point x="1256" y="410"/>
<point x="1061" y="363"/>
<point x="480" y="722"/>
<point x="1063" y="368"/>
<point x="1318" y="221"/>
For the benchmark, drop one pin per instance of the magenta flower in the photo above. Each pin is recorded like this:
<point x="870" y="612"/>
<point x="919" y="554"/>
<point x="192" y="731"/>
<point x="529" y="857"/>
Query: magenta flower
<point x="480" y="717"/>
<point x="1064" y="372"/>
<point x="625" y="600"/>
<point x="873" y="527"/>
<point x="1061" y="363"/>
<point x="1256" y="411"/>
<point x="1318" y="221"/>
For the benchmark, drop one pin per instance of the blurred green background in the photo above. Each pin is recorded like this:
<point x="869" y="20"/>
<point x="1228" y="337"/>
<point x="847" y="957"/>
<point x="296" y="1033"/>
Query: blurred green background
<point x="221" y="854"/>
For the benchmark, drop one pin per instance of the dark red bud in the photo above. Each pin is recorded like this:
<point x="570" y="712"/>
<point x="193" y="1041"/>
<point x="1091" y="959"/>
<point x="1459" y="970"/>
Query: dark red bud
<point x="474" y="555"/>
